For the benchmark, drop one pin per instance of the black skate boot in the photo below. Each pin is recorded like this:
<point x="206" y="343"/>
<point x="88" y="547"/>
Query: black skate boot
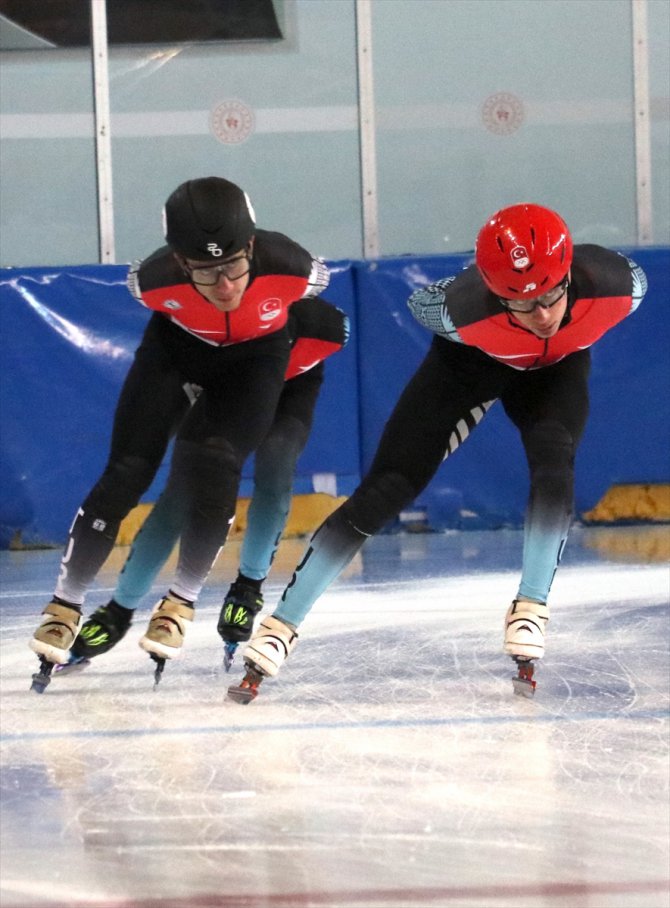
<point x="99" y="633"/>
<point x="242" y="603"/>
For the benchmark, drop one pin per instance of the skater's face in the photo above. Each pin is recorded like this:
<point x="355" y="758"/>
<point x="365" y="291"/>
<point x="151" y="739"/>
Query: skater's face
<point x="222" y="284"/>
<point x="546" y="313"/>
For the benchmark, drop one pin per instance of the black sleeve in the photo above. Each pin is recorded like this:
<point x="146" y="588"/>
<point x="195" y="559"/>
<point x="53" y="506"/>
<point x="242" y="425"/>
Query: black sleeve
<point x="597" y="271"/>
<point x="160" y="269"/>
<point x="316" y="318"/>
<point x="275" y="253"/>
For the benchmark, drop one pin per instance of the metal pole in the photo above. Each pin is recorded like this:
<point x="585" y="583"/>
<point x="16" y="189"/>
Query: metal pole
<point x="642" y="124"/>
<point x="366" y="125"/>
<point x="103" y="136"/>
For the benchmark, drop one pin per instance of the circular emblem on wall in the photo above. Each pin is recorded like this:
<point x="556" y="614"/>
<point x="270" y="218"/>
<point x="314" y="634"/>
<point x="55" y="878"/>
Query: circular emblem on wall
<point x="502" y="113"/>
<point x="232" y="122"/>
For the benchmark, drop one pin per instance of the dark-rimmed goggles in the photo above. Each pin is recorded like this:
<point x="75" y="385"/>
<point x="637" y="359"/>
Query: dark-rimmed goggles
<point x="232" y="270"/>
<point x="545" y="301"/>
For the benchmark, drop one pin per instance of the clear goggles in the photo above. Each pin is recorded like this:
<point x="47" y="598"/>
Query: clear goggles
<point x="545" y="301"/>
<point x="232" y="270"/>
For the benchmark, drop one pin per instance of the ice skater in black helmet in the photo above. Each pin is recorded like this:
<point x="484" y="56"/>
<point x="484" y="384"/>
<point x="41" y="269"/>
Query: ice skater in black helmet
<point x="220" y="291"/>
<point x="318" y="329"/>
<point x="516" y="326"/>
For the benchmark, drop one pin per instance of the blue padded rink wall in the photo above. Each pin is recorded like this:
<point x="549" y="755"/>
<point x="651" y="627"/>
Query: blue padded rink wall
<point x="389" y="765"/>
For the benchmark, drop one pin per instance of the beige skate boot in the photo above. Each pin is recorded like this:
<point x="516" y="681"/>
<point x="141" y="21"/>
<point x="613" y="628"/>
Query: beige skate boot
<point x="525" y="624"/>
<point x="167" y="627"/>
<point x="57" y="632"/>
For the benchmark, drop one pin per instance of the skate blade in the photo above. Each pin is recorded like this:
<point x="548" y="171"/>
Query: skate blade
<point x="73" y="666"/>
<point x="40" y="683"/>
<point x="158" y="671"/>
<point x="240" y="694"/>
<point x="229" y="651"/>
<point x="523" y="687"/>
<point x="247" y="689"/>
<point x="42" y="678"/>
<point x="523" y="683"/>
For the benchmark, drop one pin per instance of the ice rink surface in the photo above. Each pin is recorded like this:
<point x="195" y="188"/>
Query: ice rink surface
<point x="389" y="765"/>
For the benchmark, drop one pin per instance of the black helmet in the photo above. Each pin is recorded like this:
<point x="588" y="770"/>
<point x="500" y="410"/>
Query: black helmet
<point x="209" y="218"/>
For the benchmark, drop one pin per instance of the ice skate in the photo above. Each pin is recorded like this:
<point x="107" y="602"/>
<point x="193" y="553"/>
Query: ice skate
<point x="263" y="657"/>
<point x="525" y="624"/>
<point x="52" y="640"/>
<point x="236" y="620"/>
<point x="165" y="634"/>
<point x="98" y="634"/>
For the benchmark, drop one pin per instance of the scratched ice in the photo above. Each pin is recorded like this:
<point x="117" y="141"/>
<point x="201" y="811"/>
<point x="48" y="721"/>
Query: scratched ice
<point x="388" y="765"/>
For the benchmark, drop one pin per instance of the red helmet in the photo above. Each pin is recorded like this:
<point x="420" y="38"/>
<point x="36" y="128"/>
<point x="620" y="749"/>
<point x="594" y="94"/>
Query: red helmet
<point x="523" y="251"/>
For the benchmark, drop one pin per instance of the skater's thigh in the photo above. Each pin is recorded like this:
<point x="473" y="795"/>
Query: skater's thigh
<point x="556" y="394"/>
<point x="449" y="393"/>
<point x="151" y="404"/>
<point x="278" y="453"/>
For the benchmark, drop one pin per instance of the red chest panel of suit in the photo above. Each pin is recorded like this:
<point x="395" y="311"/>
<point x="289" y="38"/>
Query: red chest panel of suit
<point x="263" y="309"/>
<point x="510" y="343"/>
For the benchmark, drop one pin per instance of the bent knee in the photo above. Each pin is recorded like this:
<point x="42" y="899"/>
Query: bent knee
<point x="120" y="487"/>
<point x="549" y="443"/>
<point x="378" y="500"/>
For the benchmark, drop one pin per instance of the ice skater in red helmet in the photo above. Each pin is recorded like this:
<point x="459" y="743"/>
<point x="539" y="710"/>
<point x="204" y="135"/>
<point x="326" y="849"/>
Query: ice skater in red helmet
<point x="515" y="327"/>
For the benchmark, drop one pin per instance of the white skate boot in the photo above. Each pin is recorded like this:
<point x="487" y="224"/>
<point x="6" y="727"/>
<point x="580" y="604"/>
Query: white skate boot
<point x="525" y="624"/>
<point x="167" y="628"/>
<point x="270" y="646"/>
<point x="264" y="655"/>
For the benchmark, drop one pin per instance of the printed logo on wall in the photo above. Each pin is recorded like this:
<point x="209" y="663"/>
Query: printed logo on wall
<point x="232" y="122"/>
<point x="502" y="113"/>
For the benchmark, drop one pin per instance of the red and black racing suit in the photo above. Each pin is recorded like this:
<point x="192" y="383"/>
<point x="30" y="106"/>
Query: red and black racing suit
<point x="239" y="360"/>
